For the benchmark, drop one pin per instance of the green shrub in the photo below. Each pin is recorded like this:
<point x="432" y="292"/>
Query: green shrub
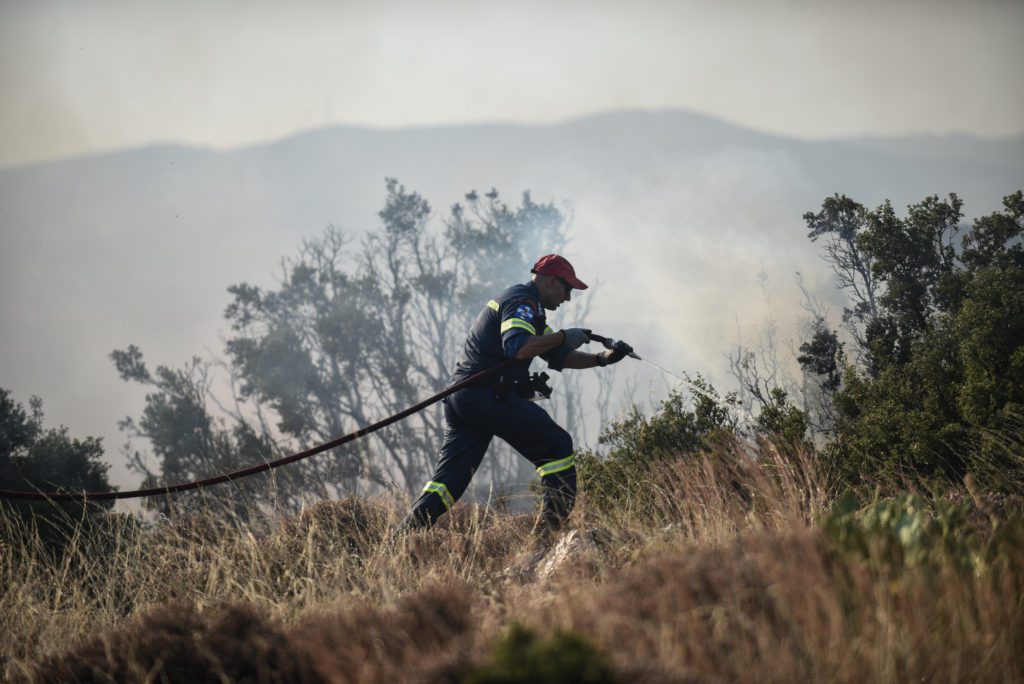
<point x="907" y="531"/>
<point x="780" y="419"/>
<point x="522" y="657"/>
<point x="36" y="459"/>
<point x="638" y="443"/>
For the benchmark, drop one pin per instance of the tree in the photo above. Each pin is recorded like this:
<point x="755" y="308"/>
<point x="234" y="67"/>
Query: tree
<point x="821" y="359"/>
<point x="36" y="459"/>
<point x="189" y="443"/>
<point x="841" y="221"/>
<point x="942" y="384"/>
<point x="913" y="259"/>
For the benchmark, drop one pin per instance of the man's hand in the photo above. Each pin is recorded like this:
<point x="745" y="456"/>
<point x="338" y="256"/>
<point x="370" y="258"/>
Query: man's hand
<point x="576" y="337"/>
<point x="619" y="351"/>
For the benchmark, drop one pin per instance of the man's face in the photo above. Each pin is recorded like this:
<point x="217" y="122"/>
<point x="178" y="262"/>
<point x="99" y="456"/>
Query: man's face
<point x="554" y="292"/>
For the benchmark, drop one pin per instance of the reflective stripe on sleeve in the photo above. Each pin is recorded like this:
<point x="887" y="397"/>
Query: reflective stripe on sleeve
<point x="548" y="330"/>
<point x="557" y="466"/>
<point x="517" y="323"/>
<point x="442" y="491"/>
<point x="493" y="304"/>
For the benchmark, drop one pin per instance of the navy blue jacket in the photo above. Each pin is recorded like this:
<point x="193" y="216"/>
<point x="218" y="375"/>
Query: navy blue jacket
<point x="500" y="331"/>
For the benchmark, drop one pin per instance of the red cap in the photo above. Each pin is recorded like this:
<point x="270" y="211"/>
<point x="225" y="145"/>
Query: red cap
<point x="554" y="265"/>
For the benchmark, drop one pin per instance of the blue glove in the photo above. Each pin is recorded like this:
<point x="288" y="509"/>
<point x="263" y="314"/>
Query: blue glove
<point x="576" y="337"/>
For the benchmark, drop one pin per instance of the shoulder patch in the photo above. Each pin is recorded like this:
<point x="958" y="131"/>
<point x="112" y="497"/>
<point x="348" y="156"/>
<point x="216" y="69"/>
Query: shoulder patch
<point x="525" y="311"/>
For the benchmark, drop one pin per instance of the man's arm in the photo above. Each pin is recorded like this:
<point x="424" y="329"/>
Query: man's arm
<point x="580" y="360"/>
<point x="577" y="359"/>
<point x="536" y="345"/>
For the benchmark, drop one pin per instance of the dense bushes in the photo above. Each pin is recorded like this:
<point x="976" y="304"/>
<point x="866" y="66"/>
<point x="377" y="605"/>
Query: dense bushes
<point x="637" y="443"/>
<point x="933" y="384"/>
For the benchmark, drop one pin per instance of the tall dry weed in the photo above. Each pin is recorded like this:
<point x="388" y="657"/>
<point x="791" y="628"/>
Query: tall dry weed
<point x="714" y="569"/>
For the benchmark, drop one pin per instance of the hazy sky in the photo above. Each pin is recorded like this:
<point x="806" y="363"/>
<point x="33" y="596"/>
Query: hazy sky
<point x="81" y="76"/>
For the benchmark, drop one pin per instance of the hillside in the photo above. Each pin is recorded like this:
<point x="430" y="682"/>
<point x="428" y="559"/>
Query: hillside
<point x="714" y="568"/>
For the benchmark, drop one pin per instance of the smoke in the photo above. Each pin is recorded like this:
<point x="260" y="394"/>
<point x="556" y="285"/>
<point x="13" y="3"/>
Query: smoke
<point x="695" y="254"/>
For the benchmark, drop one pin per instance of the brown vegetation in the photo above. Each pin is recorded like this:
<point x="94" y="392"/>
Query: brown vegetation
<point x="722" y="571"/>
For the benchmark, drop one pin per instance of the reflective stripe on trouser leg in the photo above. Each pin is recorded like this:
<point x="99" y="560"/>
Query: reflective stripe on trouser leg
<point x="532" y="432"/>
<point x="557" y="466"/>
<point x="460" y="456"/>
<point x="442" y="491"/>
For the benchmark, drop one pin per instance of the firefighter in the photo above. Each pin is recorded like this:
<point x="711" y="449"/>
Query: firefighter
<point x="513" y="326"/>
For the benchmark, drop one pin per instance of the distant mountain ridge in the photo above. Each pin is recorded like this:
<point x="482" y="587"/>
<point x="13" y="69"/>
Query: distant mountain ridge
<point x="138" y="246"/>
<point x="708" y="130"/>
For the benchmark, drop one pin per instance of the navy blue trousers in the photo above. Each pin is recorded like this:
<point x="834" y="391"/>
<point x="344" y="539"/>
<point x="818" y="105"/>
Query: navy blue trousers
<point x="473" y="417"/>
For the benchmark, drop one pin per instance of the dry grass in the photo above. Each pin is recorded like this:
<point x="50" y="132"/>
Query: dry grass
<point x="721" y="575"/>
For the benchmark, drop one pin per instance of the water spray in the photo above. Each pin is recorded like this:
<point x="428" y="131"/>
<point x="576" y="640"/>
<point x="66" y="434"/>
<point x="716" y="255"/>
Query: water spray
<point x="610" y="343"/>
